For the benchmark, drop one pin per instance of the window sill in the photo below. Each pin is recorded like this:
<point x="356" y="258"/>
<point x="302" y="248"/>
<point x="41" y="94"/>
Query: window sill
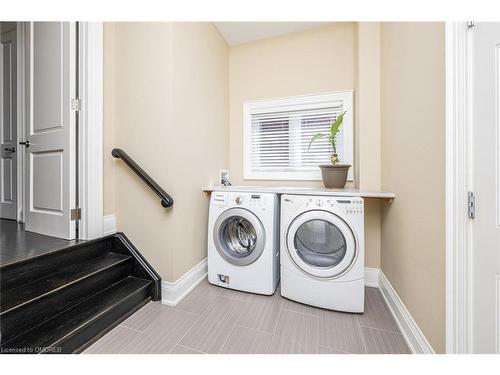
<point x="287" y="177"/>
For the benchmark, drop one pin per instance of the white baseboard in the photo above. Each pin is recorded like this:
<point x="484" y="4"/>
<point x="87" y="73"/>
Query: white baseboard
<point x="173" y="293"/>
<point x="108" y="225"/>
<point x="371" y="277"/>
<point x="409" y="328"/>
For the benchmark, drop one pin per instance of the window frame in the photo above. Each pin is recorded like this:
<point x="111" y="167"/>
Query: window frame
<point x="295" y="103"/>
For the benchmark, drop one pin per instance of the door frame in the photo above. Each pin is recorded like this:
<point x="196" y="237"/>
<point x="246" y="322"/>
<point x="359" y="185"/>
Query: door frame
<point x="19" y="114"/>
<point x="22" y="82"/>
<point x="90" y="131"/>
<point x="458" y="184"/>
<point x="90" y="124"/>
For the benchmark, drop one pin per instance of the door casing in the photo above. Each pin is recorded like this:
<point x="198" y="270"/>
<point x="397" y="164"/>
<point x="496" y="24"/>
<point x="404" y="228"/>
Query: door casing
<point x="459" y="181"/>
<point x="13" y="206"/>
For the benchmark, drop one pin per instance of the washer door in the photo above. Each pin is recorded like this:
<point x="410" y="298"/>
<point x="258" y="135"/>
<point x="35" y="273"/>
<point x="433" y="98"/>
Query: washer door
<point x="321" y="244"/>
<point x="239" y="236"/>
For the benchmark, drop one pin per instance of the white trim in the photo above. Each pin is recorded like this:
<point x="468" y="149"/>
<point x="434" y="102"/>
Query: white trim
<point x="372" y="277"/>
<point x="173" y="293"/>
<point x="108" y="225"/>
<point x="458" y="170"/>
<point x="91" y="130"/>
<point x="497" y="306"/>
<point x="412" y="333"/>
<point x="22" y="44"/>
<point x="22" y="31"/>
<point x="296" y="103"/>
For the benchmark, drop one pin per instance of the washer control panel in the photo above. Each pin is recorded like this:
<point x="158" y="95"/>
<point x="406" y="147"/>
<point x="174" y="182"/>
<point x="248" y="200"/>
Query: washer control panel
<point x="249" y="200"/>
<point x="219" y="198"/>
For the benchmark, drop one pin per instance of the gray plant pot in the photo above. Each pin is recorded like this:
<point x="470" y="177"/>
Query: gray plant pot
<point x="334" y="175"/>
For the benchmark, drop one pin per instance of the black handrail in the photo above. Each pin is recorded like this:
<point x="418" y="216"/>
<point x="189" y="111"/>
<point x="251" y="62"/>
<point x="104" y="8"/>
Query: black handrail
<point x="166" y="200"/>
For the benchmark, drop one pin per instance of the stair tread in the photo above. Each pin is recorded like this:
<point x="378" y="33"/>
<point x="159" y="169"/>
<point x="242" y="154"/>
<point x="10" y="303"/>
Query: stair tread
<point x="16" y="297"/>
<point x="23" y="272"/>
<point x="67" y="323"/>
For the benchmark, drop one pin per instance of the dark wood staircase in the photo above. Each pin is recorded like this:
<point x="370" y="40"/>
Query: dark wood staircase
<point x="63" y="301"/>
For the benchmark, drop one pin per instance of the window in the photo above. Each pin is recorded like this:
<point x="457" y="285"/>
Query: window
<point x="278" y="132"/>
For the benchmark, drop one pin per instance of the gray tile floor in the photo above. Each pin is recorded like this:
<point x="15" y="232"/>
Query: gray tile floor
<point x="216" y="320"/>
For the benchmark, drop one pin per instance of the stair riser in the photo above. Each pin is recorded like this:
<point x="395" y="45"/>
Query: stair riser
<point x="23" y="272"/>
<point x="24" y="317"/>
<point x="87" y="335"/>
<point x="120" y="244"/>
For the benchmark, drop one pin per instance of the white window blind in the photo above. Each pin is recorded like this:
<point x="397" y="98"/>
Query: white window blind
<point x="278" y="133"/>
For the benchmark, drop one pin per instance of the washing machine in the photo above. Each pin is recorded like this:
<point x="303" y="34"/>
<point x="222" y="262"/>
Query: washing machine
<point x="322" y="251"/>
<point x="243" y="241"/>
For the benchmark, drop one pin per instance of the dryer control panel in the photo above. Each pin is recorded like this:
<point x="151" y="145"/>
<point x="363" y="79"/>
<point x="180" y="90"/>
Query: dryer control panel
<point x="350" y="205"/>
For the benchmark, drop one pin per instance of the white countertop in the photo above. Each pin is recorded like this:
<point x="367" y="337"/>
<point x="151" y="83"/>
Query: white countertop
<point x="305" y="191"/>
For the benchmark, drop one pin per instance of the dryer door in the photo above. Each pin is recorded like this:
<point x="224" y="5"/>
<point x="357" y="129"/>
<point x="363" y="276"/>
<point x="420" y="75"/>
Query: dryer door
<point x="321" y="244"/>
<point x="239" y="236"/>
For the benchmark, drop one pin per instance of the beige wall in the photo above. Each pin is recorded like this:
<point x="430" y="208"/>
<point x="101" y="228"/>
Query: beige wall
<point x="308" y="62"/>
<point x="322" y="59"/>
<point x="155" y="74"/>
<point x="367" y="131"/>
<point x="166" y="105"/>
<point x="413" y="166"/>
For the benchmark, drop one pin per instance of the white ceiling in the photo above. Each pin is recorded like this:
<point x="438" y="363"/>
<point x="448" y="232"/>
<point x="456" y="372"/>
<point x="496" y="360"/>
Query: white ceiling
<point x="243" y="32"/>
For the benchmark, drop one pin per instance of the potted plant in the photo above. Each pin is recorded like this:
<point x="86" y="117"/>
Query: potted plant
<point x="334" y="174"/>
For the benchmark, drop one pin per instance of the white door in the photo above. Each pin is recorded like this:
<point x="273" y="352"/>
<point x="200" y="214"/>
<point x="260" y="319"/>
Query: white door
<point x="50" y="155"/>
<point x="486" y="185"/>
<point x="8" y="126"/>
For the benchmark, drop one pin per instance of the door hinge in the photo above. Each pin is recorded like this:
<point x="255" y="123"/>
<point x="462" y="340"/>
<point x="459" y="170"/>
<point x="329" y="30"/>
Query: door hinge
<point x="471" y="205"/>
<point x="75" y="104"/>
<point x="470" y="24"/>
<point x="76" y="214"/>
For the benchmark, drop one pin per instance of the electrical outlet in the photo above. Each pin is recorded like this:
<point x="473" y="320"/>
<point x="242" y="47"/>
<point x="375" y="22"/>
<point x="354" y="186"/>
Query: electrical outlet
<point x="223" y="175"/>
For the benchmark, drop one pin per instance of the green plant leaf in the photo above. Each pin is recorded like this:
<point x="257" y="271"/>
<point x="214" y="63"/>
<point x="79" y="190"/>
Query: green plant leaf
<point x="314" y="138"/>
<point x="336" y="125"/>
